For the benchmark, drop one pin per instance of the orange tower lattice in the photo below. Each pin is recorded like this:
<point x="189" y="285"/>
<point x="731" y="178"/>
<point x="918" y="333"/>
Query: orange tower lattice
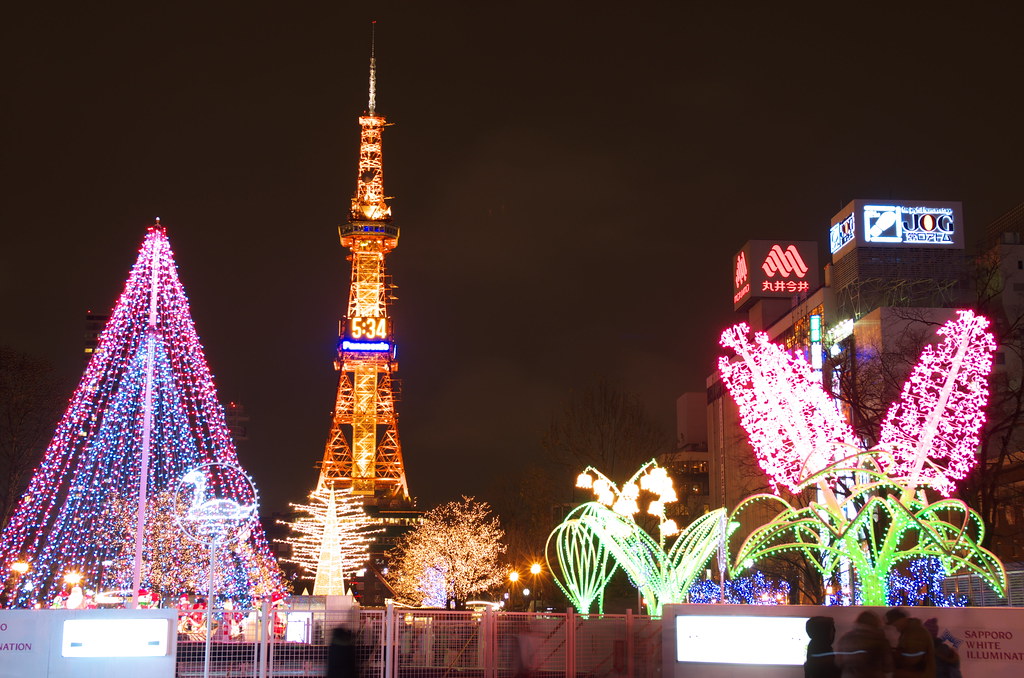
<point x="363" y="451"/>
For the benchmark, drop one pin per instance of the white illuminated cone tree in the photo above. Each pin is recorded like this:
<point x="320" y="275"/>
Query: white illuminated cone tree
<point x="330" y="539"/>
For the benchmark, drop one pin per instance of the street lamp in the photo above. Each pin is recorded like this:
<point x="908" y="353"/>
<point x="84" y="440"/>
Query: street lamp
<point x="535" y="570"/>
<point x="513" y="577"/>
<point x="18" y="570"/>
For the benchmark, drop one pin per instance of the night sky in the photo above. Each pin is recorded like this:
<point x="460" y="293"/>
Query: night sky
<point x="570" y="185"/>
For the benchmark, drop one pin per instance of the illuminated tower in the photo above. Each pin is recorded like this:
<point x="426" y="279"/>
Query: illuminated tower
<point x="362" y="465"/>
<point x="363" y="452"/>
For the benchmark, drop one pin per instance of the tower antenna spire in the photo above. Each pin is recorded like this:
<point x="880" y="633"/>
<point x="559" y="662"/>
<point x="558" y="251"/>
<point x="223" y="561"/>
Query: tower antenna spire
<point x="373" y="70"/>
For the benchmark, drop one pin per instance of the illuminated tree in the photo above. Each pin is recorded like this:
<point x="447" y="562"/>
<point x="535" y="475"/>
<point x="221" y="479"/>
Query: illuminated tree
<point x="598" y="536"/>
<point x="882" y="515"/>
<point x="330" y="539"/>
<point x="146" y="392"/>
<point x="453" y="554"/>
<point x="755" y="589"/>
<point x="921" y="584"/>
<point x="172" y="563"/>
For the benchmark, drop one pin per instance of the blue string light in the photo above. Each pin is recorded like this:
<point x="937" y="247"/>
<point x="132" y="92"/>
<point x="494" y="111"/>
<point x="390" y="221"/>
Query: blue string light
<point x="921" y="584"/>
<point x="755" y="589"/>
<point x="94" y="455"/>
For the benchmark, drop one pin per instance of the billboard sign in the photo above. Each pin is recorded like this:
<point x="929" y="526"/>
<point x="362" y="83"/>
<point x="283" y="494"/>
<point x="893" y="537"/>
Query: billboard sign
<point x="109" y="643"/>
<point x="766" y="269"/>
<point x="887" y="223"/>
<point x="702" y="639"/>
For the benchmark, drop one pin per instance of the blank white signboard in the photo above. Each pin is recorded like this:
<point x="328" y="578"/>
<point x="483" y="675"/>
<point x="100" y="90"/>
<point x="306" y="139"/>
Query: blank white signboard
<point x="115" y="638"/>
<point x="741" y="640"/>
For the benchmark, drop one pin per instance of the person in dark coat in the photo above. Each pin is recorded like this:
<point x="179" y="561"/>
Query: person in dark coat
<point x="863" y="651"/>
<point x="914" y="654"/>
<point x="821" y="661"/>
<point x="947" y="660"/>
<point x="342" y="659"/>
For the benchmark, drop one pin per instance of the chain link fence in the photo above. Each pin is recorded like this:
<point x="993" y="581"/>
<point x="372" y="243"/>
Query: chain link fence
<point x="400" y="643"/>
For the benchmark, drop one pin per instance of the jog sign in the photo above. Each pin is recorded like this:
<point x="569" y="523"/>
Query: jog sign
<point x="904" y="223"/>
<point x="774" y="269"/>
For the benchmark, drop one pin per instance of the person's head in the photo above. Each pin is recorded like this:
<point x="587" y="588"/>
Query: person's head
<point x="869" y="618"/>
<point x="821" y="629"/>
<point x="933" y="627"/>
<point x="896" y="617"/>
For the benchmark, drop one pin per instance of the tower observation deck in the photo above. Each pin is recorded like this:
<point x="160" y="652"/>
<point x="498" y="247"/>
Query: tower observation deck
<point x="363" y="452"/>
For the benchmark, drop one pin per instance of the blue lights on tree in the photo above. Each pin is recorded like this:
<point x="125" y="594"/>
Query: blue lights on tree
<point x="93" y="460"/>
<point x="921" y="584"/>
<point x="755" y="589"/>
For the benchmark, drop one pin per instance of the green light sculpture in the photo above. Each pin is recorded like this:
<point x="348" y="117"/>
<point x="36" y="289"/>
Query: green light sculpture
<point x="583" y="559"/>
<point x="870" y="508"/>
<point x="599" y="536"/>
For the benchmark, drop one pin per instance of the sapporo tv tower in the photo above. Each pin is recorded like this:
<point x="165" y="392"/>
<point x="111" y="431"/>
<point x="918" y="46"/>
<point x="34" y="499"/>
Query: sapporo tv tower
<point x="363" y="451"/>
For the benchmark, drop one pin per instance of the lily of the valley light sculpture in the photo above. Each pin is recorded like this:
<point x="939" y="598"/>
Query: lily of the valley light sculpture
<point x="880" y="515"/>
<point x="599" y="536"/>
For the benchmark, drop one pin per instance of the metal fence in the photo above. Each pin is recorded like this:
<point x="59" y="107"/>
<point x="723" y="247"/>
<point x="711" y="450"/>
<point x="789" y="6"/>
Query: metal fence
<point x="399" y="643"/>
<point x="980" y="594"/>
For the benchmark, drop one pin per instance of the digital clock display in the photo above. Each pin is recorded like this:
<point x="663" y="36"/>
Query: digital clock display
<point x="367" y="329"/>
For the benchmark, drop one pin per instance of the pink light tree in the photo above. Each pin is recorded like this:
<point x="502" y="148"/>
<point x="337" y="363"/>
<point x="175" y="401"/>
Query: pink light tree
<point x="881" y="516"/>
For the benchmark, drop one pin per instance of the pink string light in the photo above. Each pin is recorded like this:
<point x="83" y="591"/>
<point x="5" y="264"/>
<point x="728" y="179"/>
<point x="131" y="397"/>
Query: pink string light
<point x="933" y="430"/>
<point x="794" y="426"/>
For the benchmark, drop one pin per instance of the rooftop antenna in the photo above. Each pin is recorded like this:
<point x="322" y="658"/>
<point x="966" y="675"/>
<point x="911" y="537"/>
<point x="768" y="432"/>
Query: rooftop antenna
<point x="373" y="70"/>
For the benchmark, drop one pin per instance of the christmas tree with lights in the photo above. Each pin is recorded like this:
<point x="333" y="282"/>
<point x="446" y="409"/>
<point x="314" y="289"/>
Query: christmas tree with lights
<point x="146" y="402"/>
<point x="330" y="540"/>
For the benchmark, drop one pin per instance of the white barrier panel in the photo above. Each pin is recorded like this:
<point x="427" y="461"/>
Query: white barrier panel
<point x="87" y="643"/>
<point x="736" y="641"/>
<point x="24" y="646"/>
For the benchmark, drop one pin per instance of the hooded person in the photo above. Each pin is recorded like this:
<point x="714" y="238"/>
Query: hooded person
<point x="947" y="660"/>
<point x="821" y="661"/>
<point x="914" y="654"/>
<point x="863" y="651"/>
